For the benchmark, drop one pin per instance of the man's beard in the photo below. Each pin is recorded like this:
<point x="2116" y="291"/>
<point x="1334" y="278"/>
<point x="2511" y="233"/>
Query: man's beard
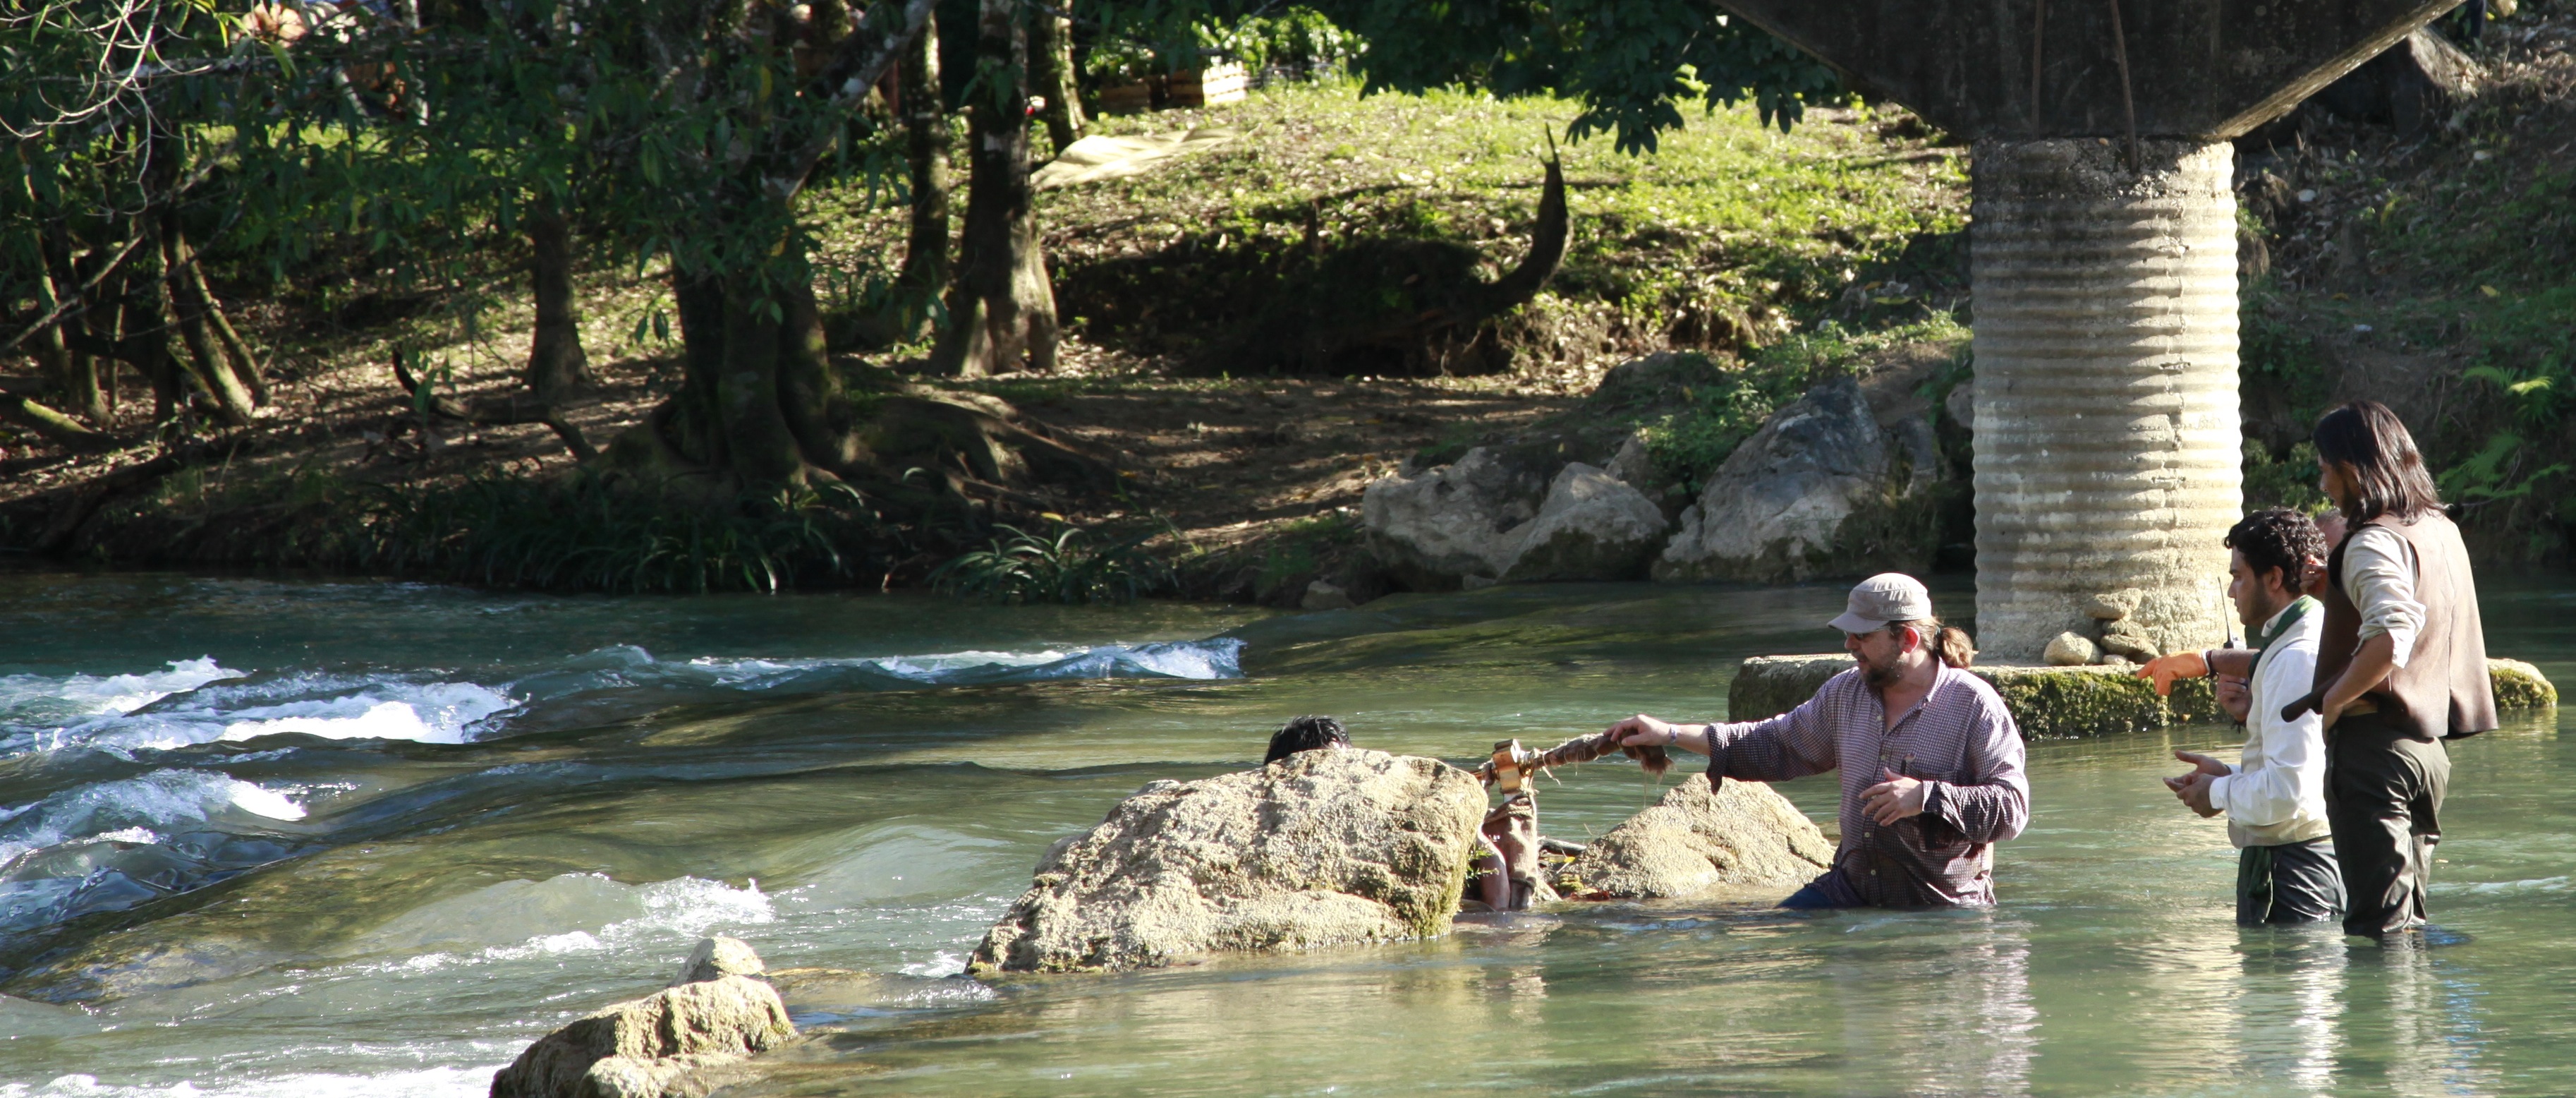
<point x="1879" y="678"/>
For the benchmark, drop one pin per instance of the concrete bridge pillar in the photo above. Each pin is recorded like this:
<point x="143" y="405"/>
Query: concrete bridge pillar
<point x="2107" y="436"/>
<point x="2103" y="249"/>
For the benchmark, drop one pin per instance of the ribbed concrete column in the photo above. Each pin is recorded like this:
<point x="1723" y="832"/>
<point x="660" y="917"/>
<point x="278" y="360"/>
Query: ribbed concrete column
<point x="2107" y="444"/>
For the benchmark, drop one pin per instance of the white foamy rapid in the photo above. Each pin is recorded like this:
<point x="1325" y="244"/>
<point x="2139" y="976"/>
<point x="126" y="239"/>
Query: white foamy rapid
<point x="35" y="701"/>
<point x="68" y="854"/>
<point x="135" y="810"/>
<point x="438" y="712"/>
<point x="1220" y="658"/>
<point x="200" y="701"/>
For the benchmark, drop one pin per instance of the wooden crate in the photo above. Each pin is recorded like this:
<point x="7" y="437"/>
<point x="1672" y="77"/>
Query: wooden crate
<point x="1197" y="88"/>
<point x="1208" y="86"/>
<point x="1134" y="98"/>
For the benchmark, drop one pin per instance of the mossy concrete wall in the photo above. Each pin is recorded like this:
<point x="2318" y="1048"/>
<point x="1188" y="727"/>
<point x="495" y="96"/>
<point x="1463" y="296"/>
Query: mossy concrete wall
<point x="2065" y="701"/>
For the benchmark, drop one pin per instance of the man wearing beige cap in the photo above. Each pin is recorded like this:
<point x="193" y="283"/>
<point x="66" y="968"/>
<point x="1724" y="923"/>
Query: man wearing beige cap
<point x="1931" y="762"/>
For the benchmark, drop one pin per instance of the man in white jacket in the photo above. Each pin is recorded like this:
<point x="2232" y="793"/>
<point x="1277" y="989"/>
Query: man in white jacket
<point x="2275" y="798"/>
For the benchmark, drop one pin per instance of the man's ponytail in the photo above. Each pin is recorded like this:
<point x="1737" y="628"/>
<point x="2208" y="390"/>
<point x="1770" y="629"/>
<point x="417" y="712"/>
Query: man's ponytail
<point x="1950" y="644"/>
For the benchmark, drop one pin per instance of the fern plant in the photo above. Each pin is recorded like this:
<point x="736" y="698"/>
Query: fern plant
<point x="1027" y="567"/>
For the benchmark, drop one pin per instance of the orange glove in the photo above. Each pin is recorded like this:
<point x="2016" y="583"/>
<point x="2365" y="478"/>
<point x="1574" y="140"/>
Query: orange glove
<point x="2180" y="665"/>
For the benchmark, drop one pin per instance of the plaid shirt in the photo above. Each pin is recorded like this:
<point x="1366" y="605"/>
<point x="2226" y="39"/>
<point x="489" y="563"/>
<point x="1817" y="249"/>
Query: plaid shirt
<point x="1958" y="740"/>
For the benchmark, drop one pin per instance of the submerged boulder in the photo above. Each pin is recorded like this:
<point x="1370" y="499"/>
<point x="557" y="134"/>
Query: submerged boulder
<point x="1782" y="505"/>
<point x="1743" y="836"/>
<point x="1321" y="848"/>
<point x="662" y="1045"/>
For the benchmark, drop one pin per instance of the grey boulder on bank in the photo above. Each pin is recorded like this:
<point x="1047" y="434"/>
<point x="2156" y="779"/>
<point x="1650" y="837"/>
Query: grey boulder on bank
<point x="1486" y="519"/>
<point x="1782" y="505"/>
<point x="1322" y="848"/>
<point x="1745" y="836"/>
<point x="664" y="1045"/>
<point x="1850" y="478"/>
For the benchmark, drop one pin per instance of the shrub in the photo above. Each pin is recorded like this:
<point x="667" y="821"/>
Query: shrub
<point x="586" y="534"/>
<point x="1026" y="567"/>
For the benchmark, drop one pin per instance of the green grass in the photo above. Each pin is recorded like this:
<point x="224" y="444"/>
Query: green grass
<point x="1729" y="235"/>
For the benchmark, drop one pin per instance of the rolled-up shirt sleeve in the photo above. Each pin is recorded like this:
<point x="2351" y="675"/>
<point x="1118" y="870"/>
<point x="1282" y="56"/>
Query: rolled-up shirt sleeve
<point x="1994" y="804"/>
<point x="1792" y="745"/>
<point x="2379" y="578"/>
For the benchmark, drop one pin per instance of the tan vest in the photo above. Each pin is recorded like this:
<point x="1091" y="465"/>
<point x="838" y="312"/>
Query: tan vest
<point x="2443" y="691"/>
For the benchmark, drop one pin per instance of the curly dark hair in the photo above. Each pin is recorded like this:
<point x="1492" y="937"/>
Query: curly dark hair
<point x="2277" y="538"/>
<point x="1306" y="734"/>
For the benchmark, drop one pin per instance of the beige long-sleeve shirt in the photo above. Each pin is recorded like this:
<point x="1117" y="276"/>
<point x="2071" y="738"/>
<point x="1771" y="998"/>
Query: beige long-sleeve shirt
<point x="2379" y="578"/>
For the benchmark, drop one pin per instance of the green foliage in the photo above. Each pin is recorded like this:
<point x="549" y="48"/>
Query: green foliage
<point x="1689" y="445"/>
<point x="1298" y="548"/>
<point x="1029" y="567"/>
<point x="1301" y="40"/>
<point x="2499" y="470"/>
<point x="2277" y="352"/>
<point x="586" y="534"/>
<point x="1628" y="62"/>
<point x="2284" y="482"/>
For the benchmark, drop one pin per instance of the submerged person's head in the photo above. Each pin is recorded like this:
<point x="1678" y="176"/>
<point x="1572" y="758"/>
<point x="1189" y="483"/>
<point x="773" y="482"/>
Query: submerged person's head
<point x="2269" y="551"/>
<point x="2368" y="465"/>
<point x="1306" y="734"/>
<point x="1888" y="626"/>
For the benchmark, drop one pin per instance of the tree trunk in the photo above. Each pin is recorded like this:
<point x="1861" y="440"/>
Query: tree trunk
<point x="214" y="374"/>
<point x="73" y="371"/>
<point x="760" y="400"/>
<point x="557" y="365"/>
<point x="143" y="337"/>
<point x="53" y="426"/>
<point x="1051" y="48"/>
<point x="926" y="139"/>
<point x="192" y="272"/>
<point x="1001" y="311"/>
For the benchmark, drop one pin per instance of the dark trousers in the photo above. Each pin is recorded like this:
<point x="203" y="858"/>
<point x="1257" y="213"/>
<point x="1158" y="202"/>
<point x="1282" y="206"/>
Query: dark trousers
<point x="2384" y="801"/>
<point x="2289" y="883"/>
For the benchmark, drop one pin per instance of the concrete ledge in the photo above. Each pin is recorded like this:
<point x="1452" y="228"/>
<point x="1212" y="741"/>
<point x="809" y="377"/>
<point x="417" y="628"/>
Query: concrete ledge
<point x="2065" y="701"/>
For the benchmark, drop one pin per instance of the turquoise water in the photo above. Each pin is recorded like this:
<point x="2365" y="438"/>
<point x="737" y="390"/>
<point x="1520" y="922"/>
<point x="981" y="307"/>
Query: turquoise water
<point x="265" y="837"/>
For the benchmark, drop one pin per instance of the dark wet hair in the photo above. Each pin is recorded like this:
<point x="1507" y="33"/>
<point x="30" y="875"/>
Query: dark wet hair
<point x="2277" y="539"/>
<point x="1306" y="734"/>
<point x="1949" y="643"/>
<point x="2389" y="477"/>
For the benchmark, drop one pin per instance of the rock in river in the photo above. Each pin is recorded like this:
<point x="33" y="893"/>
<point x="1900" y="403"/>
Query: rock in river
<point x="1321" y="848"/>
<point x="1779" y="507"/>
<point x="1745" y="836"/>
<point x="1489" y="517"/>
<point x="662" y="1045"/>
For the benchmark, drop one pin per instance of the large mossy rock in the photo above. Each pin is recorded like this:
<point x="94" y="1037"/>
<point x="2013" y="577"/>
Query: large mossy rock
<point x="2065" y="701"/>
<point x="664" y="1045"/>
<point x="1321" y="848"/>
<point x="1745" y="836"/>
<point x="2519" y="685"/>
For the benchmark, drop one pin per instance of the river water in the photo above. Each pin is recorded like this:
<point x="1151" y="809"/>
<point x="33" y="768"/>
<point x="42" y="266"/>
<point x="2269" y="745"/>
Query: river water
<point x="318" y="838"/>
